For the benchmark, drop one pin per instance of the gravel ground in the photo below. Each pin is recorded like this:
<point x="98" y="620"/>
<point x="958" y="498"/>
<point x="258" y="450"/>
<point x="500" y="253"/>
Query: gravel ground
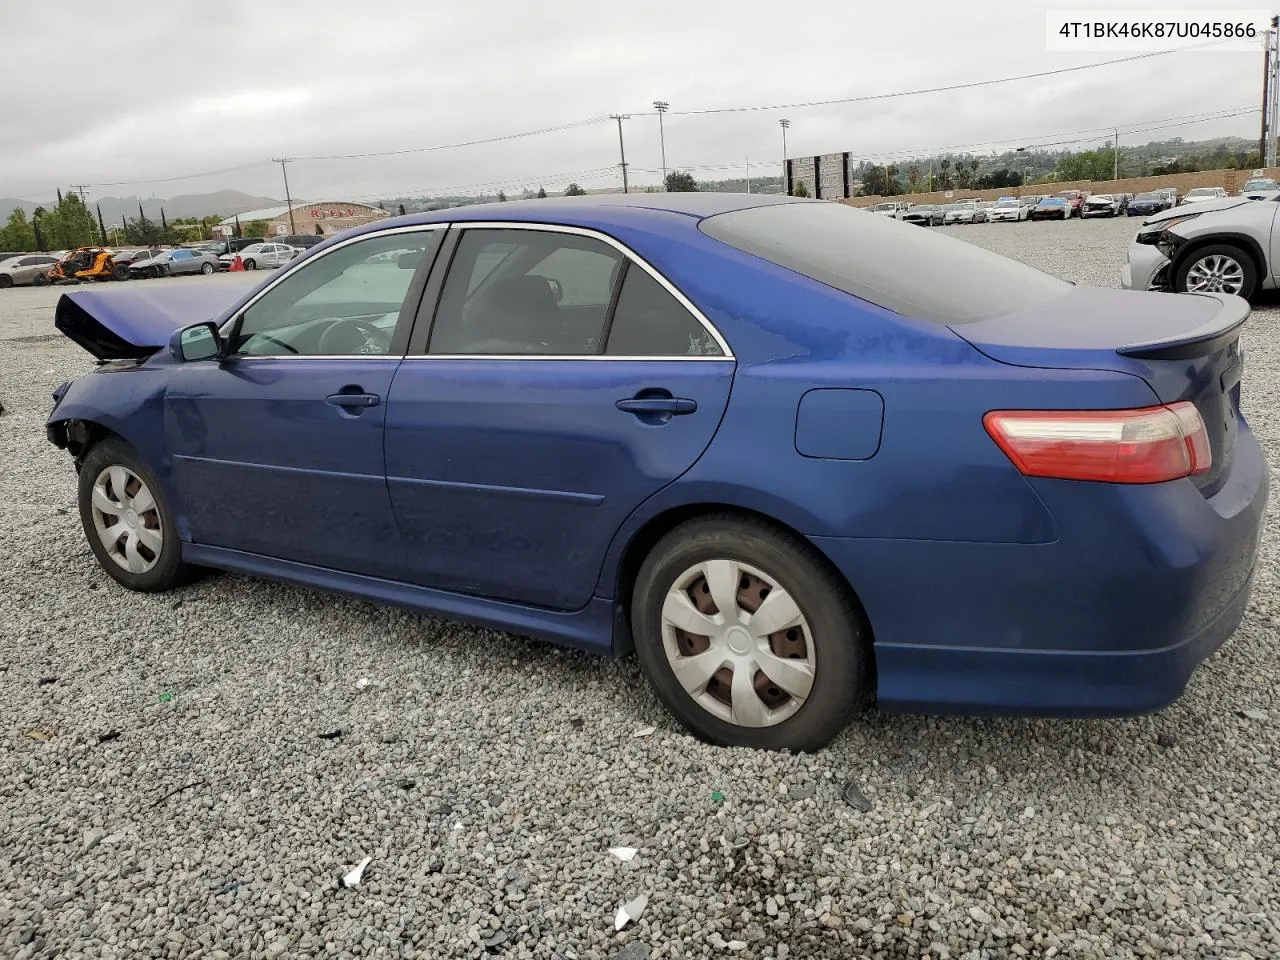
<point x="166" y="791"/>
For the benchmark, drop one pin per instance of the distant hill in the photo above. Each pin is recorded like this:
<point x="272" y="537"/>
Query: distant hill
<point x="225" y="203"/>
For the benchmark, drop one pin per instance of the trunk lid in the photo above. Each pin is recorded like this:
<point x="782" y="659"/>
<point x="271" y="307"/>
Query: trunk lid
<point x="132" y="323"/>
<point x="1185" y="346"/>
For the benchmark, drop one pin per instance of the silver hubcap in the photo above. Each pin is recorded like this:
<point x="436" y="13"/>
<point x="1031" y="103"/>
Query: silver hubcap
<point x="738" y="643"/>
<point x="127" y="519"/>
<point x="1216" y="274"/>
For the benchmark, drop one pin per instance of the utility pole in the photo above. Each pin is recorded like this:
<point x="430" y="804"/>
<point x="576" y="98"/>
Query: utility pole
<point x="1115" y="155"/>
<point x="1272" y="105"/>
<point x="1266" y="93"/>
<point x="785" y="187"/>
<point x="284" y="161"/>
<point x="621" y="147"/>
<point x="662" y="107"/>
<point x="748" y="175"/>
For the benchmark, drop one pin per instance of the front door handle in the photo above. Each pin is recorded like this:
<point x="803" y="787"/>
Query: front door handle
<point x="359" y="400"/>
<point x="672" y="406"/>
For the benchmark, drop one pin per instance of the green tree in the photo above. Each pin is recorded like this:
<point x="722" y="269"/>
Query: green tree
<point x="873" y="182"/>
<point x="1089" y="165"/>
<point x="944" y="174"/>
<point x="542" y="194"/>
<point x="913" y="178"/>
<point x="502" y="197"/>
<point x="800" y="189"/>
<point x="681" y="181"/>
<point x="891" y="185"/>
<point x="256" y="229"/>
<point x="142" y="230"/>
<point x="573" y="190"/>
<point x="17" y="233"/>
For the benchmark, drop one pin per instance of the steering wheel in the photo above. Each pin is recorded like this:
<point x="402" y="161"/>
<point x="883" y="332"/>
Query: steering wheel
<point x="375" y="337"/>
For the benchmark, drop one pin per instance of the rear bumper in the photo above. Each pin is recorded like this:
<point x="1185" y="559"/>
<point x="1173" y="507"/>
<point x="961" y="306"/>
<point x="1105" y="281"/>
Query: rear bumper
<point x="1110" y="620"/>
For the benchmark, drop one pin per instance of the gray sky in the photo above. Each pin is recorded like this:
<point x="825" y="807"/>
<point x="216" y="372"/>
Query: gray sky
<point x="194" y="87"/>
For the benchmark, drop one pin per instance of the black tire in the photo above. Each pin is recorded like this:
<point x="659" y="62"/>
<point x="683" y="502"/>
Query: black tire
<point x="168" y="570"/>
<point x="6" y="281"/>
<point x="1247" y="267"/>
<point x="250" y="264"/>
<point x="40" y="280"/>
<point x="841" y="649"/>
<point x="206" y="269"/>
<point x="120" y="273"/>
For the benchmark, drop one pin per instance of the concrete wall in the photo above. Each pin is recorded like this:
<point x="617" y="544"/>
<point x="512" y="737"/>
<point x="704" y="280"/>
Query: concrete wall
<point x="1232" y="180"/>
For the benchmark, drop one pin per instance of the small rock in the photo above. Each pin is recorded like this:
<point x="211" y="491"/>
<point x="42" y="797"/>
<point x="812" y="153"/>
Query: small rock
<point x="1166" y="740"/>
<point x="771" y="907"/>
<point x="736" y="945"/>
<point x="854" y="797"/>
<point x="634" y="951"/>
<point x="831" y="921"/>
<point x="1251" y="714"/>
<point x="980" y="916"/>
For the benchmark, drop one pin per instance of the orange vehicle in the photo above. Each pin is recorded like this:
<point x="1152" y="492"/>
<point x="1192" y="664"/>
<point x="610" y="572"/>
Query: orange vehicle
<point x="87" y="263"/>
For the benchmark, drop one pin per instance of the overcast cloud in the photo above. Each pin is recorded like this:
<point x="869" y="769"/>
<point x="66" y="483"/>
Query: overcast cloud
<point x="170" y="89"/>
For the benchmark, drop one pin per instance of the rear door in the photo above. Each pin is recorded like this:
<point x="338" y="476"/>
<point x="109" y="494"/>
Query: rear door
<point x="560" y="383"/>
<point x="278" y="449"/>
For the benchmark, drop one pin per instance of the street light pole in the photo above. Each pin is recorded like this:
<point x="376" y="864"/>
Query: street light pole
<point x="287" y="199"/>
<point x="621" y="147"/>
<point x="785" y="187"/>
<point x="662" y="107"/>
<point x="1115" y="155"/>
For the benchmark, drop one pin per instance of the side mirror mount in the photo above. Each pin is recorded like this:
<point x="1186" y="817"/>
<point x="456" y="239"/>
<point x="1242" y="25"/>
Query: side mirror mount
<point x="200" y="341"/>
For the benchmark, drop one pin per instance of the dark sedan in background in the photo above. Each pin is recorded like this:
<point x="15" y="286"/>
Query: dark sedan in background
<point x="1146" y="204"/>
<point x="1051" y="208"/>
<point x="925" y="215"/>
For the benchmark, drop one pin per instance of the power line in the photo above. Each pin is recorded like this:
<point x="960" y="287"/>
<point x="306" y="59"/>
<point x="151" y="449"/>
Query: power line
<point x="565" y="177"/>
<point x="189" y="176"/>
<point x="942" y="89"/>
<point x="589" y="121"/>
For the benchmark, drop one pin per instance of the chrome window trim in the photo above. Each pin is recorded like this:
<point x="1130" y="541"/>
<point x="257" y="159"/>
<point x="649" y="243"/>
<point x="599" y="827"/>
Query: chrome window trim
<point x="628" y="253"/>
<point x="288" y="270"/>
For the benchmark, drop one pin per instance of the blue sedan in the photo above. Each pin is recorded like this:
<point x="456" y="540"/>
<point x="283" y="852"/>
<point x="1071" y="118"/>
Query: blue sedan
<point x="798" y="457"/>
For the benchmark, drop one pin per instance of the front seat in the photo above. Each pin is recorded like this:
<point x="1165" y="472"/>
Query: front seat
<point x="522" y="312"/>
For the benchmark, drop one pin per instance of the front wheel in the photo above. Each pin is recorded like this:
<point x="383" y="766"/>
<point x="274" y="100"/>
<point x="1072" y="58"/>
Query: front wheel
<point x="127" y="520"/>
<point x="1221" y="268"/>
<point x="206" y="268"/>
<point x="119" y="273"/>
<point x="749" y="637"/>
<point x="6" y="281"/>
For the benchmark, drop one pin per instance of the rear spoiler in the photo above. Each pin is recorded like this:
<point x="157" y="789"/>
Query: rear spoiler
<point x="1207" y="338"/>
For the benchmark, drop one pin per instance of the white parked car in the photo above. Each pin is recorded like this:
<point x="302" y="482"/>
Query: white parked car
<point x="263" y="256"/>
<point x="1201" y="194"/>
<point x="893" y="209"/>
<point x="1100" y="205"/>
<point x="1008" y="208"/>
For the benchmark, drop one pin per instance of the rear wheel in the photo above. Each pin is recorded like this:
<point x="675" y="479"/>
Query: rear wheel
<point x="120" y="272"/>
<point x="206" y="268"/>
<point x="748" y="637"/>
<point x="127" y="520"/>
<point x="251" y="264"/>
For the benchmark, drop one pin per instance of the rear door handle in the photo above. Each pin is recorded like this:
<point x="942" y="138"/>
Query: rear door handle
<point x="675" y="406"/>
<point x="353" y="399"/>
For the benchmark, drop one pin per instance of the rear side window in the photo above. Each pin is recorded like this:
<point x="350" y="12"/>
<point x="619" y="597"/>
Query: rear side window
<point x="914" y="272"/>
<point x="649" y="322"/>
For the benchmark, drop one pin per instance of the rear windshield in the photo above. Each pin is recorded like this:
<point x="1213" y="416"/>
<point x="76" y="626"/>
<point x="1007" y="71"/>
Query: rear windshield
<point x="917" y="273"/>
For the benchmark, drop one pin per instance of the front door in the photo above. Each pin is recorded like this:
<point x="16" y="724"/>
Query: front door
<point x="277" y="449"/>
<point x="562" y="384"/>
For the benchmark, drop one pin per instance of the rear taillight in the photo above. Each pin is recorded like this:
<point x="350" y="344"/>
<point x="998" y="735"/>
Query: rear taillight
<point x="1149" y="445"/>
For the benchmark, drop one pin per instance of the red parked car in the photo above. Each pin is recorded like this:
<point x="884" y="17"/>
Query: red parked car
<point x="1075" y="201"/>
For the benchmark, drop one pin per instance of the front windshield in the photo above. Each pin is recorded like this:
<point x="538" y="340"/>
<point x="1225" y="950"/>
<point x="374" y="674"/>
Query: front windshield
<point x="883" y="206"/>
<point x="1202" y="192"/>
<point x="1053" y="202"/>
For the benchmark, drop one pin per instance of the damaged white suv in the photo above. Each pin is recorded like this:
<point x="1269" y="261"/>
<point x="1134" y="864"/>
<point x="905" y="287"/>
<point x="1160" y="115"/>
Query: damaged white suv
<point x="1217" y="246"/>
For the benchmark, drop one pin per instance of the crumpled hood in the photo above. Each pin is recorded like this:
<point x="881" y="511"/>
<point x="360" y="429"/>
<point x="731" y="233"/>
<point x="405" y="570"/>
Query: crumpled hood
<point x="1199" y="206"/>
<point x="123" y="323"/>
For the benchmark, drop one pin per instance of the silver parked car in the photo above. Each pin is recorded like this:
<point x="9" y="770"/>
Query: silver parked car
<point x="171" y="263"/>
<point x="262" y="256"/>
<point x="1201" y="194"/>
<point x="1101" y="205"/>
<point x="25" y="270"/>
<point x="1214" y="246"/>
